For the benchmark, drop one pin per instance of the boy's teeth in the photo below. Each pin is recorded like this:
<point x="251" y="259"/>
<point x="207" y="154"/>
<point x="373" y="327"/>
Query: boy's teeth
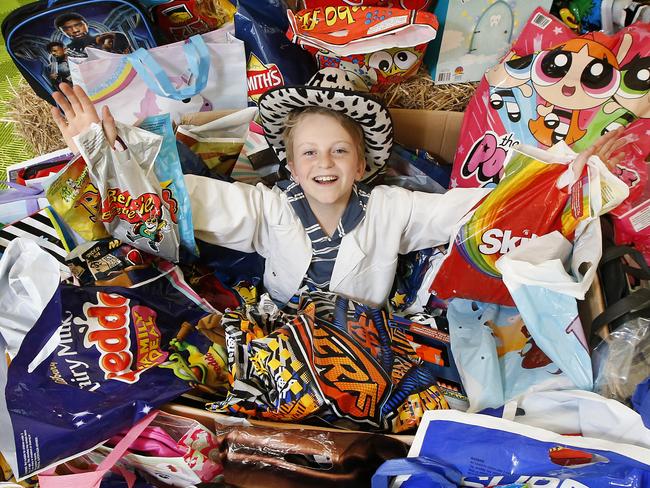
<point x="325" y="178"/>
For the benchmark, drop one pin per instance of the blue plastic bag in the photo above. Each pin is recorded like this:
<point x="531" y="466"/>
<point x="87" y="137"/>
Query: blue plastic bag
<point x="272" y="60"/>
<point x="502" y="352"/>
<point x="454" y="448"/>
<point x="94" y="363"/>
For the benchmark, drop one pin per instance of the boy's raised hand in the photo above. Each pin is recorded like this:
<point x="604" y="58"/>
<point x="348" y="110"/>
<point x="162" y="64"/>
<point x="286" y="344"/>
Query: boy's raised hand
<point x="603" y="147"/>
<point x="79" y="114"/>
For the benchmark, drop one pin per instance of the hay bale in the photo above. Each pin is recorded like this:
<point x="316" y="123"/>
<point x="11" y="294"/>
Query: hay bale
<point x="419" y="92"/>
<point x="31" y="118"/>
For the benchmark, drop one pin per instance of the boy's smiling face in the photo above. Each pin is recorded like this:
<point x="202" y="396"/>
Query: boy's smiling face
<point x="326" y="162"/>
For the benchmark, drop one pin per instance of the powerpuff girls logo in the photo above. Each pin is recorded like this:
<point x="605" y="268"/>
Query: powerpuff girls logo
<point x="145" y="207"/>
<point x="486" y="159"/>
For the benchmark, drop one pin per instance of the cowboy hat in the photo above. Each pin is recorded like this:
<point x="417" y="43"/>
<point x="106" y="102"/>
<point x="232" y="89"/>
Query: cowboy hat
<point x="330" y="88"/>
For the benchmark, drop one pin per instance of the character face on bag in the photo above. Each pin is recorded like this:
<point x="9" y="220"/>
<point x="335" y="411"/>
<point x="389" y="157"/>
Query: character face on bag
<point x="503" y="78"/>
<point x="634" y="92"/>
<point x="74" y="27"/>
<point x="578" y="75"/>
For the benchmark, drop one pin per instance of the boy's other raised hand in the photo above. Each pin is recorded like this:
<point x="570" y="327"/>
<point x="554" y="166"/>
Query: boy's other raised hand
<point x="79" y="114"/>
<point x="604" y="147"/>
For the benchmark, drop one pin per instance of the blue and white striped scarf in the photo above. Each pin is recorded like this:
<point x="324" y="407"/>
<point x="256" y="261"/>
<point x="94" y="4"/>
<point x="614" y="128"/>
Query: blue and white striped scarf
<point x="325" y="249"/>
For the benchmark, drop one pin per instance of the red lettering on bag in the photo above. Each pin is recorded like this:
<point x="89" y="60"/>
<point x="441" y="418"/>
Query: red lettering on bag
<point x="108" y="331"/>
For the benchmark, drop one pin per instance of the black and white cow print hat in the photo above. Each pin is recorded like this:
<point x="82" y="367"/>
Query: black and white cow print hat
<point x="330" y="88"/>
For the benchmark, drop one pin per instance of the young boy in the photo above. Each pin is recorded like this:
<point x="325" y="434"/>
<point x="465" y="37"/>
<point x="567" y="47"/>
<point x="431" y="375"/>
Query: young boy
<point x="323" y="228"/>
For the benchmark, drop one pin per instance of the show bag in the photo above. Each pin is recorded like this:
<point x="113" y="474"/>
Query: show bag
<point x="204" y="73"/>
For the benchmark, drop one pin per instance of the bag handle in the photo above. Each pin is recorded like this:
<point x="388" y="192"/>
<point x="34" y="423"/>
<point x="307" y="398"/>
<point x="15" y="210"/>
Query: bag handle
<point x="21" y="192"/>
<point x="615" y="252"/>
<point x="198" y="60"/>
<point x="436" y="474"/>
<point x="634" y="302"/>
<point x="93" y="479"/>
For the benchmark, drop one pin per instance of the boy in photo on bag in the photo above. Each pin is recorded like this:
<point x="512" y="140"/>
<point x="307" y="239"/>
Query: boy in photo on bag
<point x="323" y="228"/>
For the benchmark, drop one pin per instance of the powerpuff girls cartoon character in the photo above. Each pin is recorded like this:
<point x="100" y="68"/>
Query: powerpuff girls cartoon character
<point x="630" y="102"/>
<point x="578" y="75"/>
<point x="511" y="94"/>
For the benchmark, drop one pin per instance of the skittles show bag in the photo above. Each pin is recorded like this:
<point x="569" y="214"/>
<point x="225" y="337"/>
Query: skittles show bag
<point x="376" y="46"/>
<point x="96" y="361"/>
<point x="534" y="198"/>
<point x="557" y="86"/>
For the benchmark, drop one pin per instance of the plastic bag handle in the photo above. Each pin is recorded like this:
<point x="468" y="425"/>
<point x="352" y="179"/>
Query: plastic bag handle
<point x="21" y="192"/>
<point x="616" y="252"/>
<point x="437" y="475"/>
<point x="198" y="60"/>
<point x="634" y="302"/>
<point x="93" y="479"/>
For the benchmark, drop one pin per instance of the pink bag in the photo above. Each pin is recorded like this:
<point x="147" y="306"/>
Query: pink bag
<point x="177" y="451"/>
<point x="557" y="86"/>
<point x="93" y="479"/>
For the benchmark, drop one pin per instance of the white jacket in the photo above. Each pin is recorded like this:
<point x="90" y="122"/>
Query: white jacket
<point x="255" y="218"/>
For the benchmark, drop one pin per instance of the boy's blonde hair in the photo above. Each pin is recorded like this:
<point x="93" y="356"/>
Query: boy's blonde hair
<point x="351" y="127"/>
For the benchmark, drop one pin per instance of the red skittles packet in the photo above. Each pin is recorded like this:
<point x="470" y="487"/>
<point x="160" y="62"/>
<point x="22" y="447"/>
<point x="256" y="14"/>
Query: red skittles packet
<point x="526" y="204"/>
<point x="375" y="45"/>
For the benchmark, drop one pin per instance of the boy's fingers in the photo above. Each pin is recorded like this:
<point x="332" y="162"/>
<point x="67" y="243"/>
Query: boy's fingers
<point x="62" y="102"/>
<point x="84" y="101"/>
<point x="72" y="98"/>
<point x="618" y="144"/>
<point x="615" y="161"/>
<point x="608" y="140"/>
<point x="59" y="119"/>
<point x="108" y="122"/>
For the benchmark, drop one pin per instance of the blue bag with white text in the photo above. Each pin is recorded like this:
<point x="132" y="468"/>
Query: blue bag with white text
<point x="453" y="448"/>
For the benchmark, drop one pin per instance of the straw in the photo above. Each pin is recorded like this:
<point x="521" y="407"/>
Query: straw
<point x="420" y="92"/>
<point x="31" y="118"/>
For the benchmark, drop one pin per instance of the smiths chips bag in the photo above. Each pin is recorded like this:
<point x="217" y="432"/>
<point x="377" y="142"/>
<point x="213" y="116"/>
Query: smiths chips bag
<point x="134" y="207"/>
<point x="272" y="60"/>
<point x="527" y="203"/>
<point x="97" y="360"/>
<point x="375" y="45"/>
<point x="557" y="86"/>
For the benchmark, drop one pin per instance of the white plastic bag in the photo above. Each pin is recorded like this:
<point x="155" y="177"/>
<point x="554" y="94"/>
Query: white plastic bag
<point x="134" y="206"/>
<point x="207" y="72"/>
